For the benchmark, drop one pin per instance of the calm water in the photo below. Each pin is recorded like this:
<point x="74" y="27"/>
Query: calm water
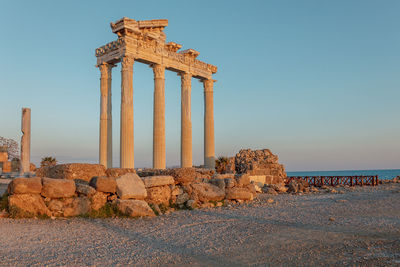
<point x="383" y="174"/>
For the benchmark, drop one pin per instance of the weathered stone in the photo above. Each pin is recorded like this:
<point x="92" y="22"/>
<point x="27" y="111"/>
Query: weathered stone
<point x="31" y="203"/>
<point x="258" y="188"/>
<point x="72" y="171"/>
<point x="86" y="190"/>
<point x="79" y="206"/>
<point x="130" y="186"/>
<point x="251" y="188"/>
<point x="238" y="194"/>
<point x="269" y="190"/>
<point x="191" y="204"/>
<point x="184" y="175"/>
<point x="134" y="208"/>
<point x="218" y="182"/>
<point x="208" y="192"/>
<point x="25" y="186"/>
<point x="104" y="184"/>
<point x="175" y="191"/>
<point x="182" y="198"/>
<point x="280" y="188"/>
<point x="152" y="181"/>
<point x="57" y="188"/>
<point x="117" y="172"/>
<point x="159" y="195"/>
<point x="56" y="206"/>
<point x="242" y="180"/>
<point x="224" y="176"/>
<point x="229" y="182"/>
<point x="257" y="178"/>
<point x="98" y="200"/>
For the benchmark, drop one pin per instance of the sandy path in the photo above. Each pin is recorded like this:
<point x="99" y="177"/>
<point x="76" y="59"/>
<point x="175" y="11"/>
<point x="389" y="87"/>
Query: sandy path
<point x="295" y="230"/>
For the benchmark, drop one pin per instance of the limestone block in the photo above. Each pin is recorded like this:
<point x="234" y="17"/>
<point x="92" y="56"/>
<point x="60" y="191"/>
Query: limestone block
<point x="207" y="192"/>
<point x="218" y="182"/>
<point x="32" y="203"/>
<point x="257" y="178"/>
<point x="182" y="198"/>
<point x="184" y="175"/>
<point x="98" y="200"/>
<point x="25" y="186"/>
<point x="79" y="206"/>
<point x="238" y="194"/>
<point x="223" y="176"/>
<point x="134" y="208"/>
<point x="152" y="181"/>
<point x="242" y="180"/>
<point x="229" y="182"/>
<point x="7" y="166"/>
<point x="57" y="188"/>
<point x="117" y="172"/>
<point x="72" y="171"/>
<point x="86" y="190"/>
<point x="130" y="186"/>
<point x="104" y="184"/>
<point x="159" y="195"/>
<point x="56" y="206"/>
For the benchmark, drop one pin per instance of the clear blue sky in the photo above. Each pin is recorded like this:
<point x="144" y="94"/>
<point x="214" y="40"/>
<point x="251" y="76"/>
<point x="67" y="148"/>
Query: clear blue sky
<point x="317" y="82"/>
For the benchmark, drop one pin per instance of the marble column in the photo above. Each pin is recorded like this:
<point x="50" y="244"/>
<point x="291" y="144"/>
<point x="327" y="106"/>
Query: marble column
<point x="186" y="123"/>
<point x="105" y="90"/>
<point x="26" y="141"/>
<point x="209" y="143"/>
<point x="159" y="117"/>
<point x="109" y="121"/>
<point x="126" y="138"/>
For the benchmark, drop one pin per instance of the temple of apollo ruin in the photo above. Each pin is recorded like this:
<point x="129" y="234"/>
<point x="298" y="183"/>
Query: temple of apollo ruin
<point x="144" y="41"/>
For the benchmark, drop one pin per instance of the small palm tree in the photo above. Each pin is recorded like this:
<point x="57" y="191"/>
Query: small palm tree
<point x="221" y="163"/>
<point x="48" y="161"/>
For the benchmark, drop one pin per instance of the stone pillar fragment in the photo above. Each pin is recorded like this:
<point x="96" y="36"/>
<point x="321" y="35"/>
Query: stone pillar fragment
<point x="109" y="120"/>
<point x="105" y="71"/>
<point x="209" y="143"/>
<point x="126" y="138"/>
<point x="186" y="123"/>
<point x="159" y="117"/>
<point x="26" y="140"/>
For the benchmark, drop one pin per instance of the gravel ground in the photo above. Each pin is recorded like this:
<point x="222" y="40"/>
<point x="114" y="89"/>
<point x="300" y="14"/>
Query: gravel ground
<point x="358" y="227"/>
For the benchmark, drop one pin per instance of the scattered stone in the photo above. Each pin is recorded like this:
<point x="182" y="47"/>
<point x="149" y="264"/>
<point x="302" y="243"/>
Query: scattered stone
<point x="229" y="182"/>
<point x="159" y="195"/>
<point x="130" y="186"/>
<point x="86" y="190"/>
<point x="57" y="188"/>
<point x="80" y="206"/>
<point x="117" y="172"/>
<point x="208" y="192"/>
<point x="31" y="203"/>
<point x="156" y="209"/>
<point x="269" y="190"/>
<point x="104" y="184"/>
<point x="182" y="198"/>
<point x="152" y="181"/>
<point x="238" y="194"/>
<point x="242" y="180"/>
<point x="220" y="204"/>
<point x="218" y="182"/>
<point x="270" y="200"/>
<point x="25" y="186"/>
<point x="258" y="188"/>
<point x="72" y="171"/>
<point x="98" y="200"/>
<point x="133" y="207"/>
<point x="332" y="219"/>
<point x="176" y="191"/>
<point x="314" y="189"/>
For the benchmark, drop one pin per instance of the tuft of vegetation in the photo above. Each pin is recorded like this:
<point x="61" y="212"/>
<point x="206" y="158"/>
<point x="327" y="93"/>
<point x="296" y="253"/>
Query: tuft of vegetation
<point x="221" y="164"/>
<point x="48" y="161"/>
<point x="109" y="210"/>
<point x="17" y="213"/>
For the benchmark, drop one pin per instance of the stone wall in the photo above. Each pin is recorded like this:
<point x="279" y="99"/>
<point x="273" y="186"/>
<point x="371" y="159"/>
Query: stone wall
<point x="151" y="193"/>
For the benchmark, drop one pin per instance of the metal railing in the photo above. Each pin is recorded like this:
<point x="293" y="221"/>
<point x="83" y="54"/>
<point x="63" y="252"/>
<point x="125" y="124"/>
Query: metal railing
<point x="371" y="180"/>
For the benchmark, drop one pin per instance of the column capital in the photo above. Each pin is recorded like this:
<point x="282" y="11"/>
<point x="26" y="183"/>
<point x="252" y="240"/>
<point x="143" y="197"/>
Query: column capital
<point x="105" y="69"/>
<point x="208" y="85"/>
<point x="127" y="62"/>
<point x="159" y="71"/>
<point x="186" y="79"/>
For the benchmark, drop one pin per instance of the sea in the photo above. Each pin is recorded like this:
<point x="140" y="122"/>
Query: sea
<point x="382" y="174"/>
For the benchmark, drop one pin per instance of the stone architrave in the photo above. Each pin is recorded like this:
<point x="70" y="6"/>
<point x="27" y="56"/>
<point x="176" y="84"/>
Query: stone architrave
<point x="209" y="145"/>
<point x="26" y="140"/>
<point x="159" y="117"/>
<point x="126" y="139"/>
<point x="186" y="121"/>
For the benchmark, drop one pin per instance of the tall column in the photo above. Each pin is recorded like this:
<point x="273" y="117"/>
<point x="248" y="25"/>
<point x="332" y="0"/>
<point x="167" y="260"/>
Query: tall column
<point x="26" y="140"/>
<point x="209" y="144"/>
<point x="126" y="139"/>
<point x="186" y="123"/>
<point x="109" y="119"/>
<point x="159" y="117"/>
<point x="103" y="137"/>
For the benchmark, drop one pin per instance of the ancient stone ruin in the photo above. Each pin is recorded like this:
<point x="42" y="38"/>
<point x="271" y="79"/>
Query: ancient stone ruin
<point x="145" y="42"/>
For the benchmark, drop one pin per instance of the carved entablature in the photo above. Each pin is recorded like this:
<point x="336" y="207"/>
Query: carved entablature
<point x="145" y="42"/>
